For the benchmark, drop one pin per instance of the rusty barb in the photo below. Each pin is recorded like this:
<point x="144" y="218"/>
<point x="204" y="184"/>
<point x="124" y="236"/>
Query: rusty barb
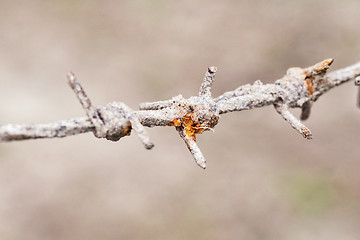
<point x="298" y="88"/>
<point x="190" y="116"/>
<point x="112" y="121"/>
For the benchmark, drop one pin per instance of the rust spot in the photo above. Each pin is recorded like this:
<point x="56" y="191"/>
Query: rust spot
<point x="190" y="125"/>
<point x="306" y="133"/>
<point x="309" y="86"/>
<point x="324" y="65"/>
<point x="127" y="130"/>
<point x="176" y="123"/>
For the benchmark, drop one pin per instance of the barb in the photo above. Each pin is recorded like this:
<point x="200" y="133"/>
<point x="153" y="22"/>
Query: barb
<point x="91" y="112"/>
<point x="205" y="89"/>
<point x="299" y="88"/>
<point x="113" y="121"/>
<point x="305" y="110"/>
<point x="283" y="110"/>
<point x="190" y="142"/>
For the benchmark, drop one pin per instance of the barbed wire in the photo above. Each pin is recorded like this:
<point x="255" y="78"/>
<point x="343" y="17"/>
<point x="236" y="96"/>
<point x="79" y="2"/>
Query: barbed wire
<point x="299" y="88"/>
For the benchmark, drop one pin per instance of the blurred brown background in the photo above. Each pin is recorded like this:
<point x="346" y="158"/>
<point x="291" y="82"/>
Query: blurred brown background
<point x="263" y="181"/>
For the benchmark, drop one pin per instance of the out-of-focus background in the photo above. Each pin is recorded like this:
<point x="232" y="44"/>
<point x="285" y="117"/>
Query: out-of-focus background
<point x="263" y="181"/>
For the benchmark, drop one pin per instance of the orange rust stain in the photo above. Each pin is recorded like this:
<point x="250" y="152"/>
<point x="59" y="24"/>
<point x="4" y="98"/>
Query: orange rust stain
<point x="176" y="123"/>
<point x="127" y="130"/>
<point x="309" y="86"/>
<point x="187" y="122"/>
<point x="324" y="65"/>
<point x="306" y="133"/>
